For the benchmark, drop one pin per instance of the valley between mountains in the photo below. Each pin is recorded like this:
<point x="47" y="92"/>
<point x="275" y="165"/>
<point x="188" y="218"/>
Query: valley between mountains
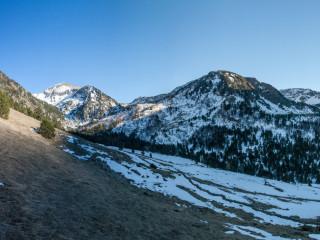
<point x="49" y="194"/>
<point x="221" y="119"/>
<point x="69" y="188"/>
<point x="221" y="157"/>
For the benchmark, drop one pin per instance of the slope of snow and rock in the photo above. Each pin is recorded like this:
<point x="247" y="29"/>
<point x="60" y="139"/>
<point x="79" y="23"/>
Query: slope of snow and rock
<point x="307" y="96"/>
<point x="174" y="117"/>
<point x="57" y="93"/>
<point x="221" y="119"/>
<point x="221" y="97"/>
<point x="81" y="105"/>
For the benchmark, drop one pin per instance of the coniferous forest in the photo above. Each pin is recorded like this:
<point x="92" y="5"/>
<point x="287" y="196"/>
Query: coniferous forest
<point x="288" y="155"/>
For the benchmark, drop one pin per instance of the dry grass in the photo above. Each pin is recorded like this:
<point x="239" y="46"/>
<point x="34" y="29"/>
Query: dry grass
<point x="49" y="194"/>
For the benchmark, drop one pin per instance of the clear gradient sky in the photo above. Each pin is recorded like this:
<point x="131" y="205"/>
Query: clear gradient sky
<point x="131" y="48"/>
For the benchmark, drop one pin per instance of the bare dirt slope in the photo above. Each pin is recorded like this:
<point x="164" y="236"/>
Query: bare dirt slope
<point x="48" y="194"/>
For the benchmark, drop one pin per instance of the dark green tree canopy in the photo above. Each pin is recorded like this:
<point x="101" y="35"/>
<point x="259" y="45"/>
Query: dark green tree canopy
<point x="4" y="105"/>
<point x="47" y="129"/>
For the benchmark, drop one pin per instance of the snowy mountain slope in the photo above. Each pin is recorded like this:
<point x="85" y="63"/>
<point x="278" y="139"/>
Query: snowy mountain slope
<point x="248" y="199"/>
<point x="213" y="96"/>
<point x="81" y="105"/>
<point x="221" y="119"/>
<point x="221" y="97"/>
<point x="307" y="96"/>
<point x="86" y="104"/>
<point x="57" y="93"/>
<point x="225" y="121"/>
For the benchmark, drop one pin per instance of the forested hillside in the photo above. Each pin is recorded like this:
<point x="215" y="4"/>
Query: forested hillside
<point x="23" y="101"/>
<point x="224" y="120"/>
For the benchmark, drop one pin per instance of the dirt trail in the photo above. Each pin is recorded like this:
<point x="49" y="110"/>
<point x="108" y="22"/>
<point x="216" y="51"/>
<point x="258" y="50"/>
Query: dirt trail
<point x="49" y="194"/>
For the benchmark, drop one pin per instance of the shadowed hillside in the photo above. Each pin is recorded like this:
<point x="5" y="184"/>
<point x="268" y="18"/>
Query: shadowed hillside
<point x="48" y="194"/>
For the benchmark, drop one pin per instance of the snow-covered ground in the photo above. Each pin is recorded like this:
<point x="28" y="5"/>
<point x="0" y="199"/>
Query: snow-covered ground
<point x="307" y="96"/>
<point x="315" y="236"/>
<point x="232" y="194"/>
<point x="253" y="232"/>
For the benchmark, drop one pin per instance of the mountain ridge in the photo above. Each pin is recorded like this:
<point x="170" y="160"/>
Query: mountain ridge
<point x="25" y="99"/>
<point x="303" y="95"/>
<point x="231" y="80"/>
<point x="226" y="85"/>
<point x="221" y="119"/>
<point x="56" y="93"/>
<point x="80" y="105"/>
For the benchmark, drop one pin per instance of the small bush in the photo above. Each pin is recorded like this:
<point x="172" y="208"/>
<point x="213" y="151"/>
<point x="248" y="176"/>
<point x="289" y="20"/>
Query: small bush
<point x="4" y="105"/>
<point x="47" y="129"/>
<point x="153" y="166"/>
<point x="307" y="228"/>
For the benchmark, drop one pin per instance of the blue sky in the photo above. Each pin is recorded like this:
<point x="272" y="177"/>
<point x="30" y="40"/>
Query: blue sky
<point x="131" y="48"/>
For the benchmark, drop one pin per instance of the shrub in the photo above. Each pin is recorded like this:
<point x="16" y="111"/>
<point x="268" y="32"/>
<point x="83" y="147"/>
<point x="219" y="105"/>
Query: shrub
<point x="4" y="105"/>
<point x="47" y="129"/>
<point x="307" y="228"/>
<point x="153" y="166"/>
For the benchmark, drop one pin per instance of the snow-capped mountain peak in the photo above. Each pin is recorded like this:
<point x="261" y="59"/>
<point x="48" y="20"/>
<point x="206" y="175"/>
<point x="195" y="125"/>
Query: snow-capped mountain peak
<point x="57" y="93"/>
<point x="220" y="97"/>
<point x="81" y="105"/>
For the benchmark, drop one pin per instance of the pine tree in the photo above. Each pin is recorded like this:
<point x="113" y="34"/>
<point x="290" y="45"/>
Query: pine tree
<point x="4" y="105"/>
<point x="47" y="129"/>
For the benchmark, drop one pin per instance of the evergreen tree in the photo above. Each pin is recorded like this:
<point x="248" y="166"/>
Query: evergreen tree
<point x="47" y="129"/>
<point x="4" y="105"/>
